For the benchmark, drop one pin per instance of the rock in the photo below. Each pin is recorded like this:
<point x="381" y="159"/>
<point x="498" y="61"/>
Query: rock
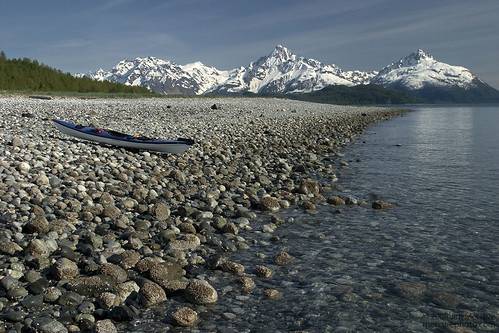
<point x="173" y="287"/>
<point x="187" y="228"/>
<point x="214" y="107"/>
<point x="269" y="203"/>
<point x="271" y="293"/>
<point x="129" y="259"/>
<point x="165" y="271"/>
<point x="23" y="167"/>
<point x="282" y="258"/>
<point x="86" y="307"/>
<point x="46" y="324"/>
<point x="91" y="286"/>
<point x="9" y="283"/>
<point x="232" y="267"/>
<point x="247" y="284"/>
<point x="446" y="299"/>
<point x="269" y="228"/>
<point x="307" y="205"/>
<point x="230" y="228"/>
<point x="185" y="317"/>
<point x="145" y="264"/>
<point x="38" y="225"/>
<point x="9" y="248"/>
<point x="106" y="199"/>
<point x="122" y="313"/>
<point x="125" y="289"/>
<point x="70" y="298"/>
<point x="14" y="316"/>
<point x="188" y="242"/>
<point x="350" y="200"/>
<point x="17" y="293"/>
<point x="38" y="249"/>
<point x="42" y="179"/>
<point x="336" y="200"/>
<point x="262" y="271"/>
<point x="178" y="176"/>
<point x="114" y="271"/>
<point x="17" y="142"/>
<point x="39" y="286"/>
<point x="111" y="211"/>
<point x="309" y="186"/>
<point x="161" y="211"/>
<point x="378" y="204"/>
<point x="33" y="302"/>
<point x="200" y="292"/>
<point x="151" y="294"/>
<point x="105" y="326"/>
<point x="64" y="268"/>
<point x="52" y="294"/>
<point x="108" y="300"/>
<point x="411" y="289"/>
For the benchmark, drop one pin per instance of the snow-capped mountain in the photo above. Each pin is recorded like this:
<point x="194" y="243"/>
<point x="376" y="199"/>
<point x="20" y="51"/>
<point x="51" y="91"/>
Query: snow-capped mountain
<point x="285" y="72"/>
<point x="162" y="76"/>
<point x="419" y="70"/>
<point x="429" y="80"/>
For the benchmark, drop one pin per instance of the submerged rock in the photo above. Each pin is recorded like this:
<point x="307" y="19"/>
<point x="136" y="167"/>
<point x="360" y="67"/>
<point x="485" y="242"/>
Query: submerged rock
<point x="379" y="204"/>
<point x="185" y="317"/>
<point x="282" y="258"/>
<point x="411" y="289"/>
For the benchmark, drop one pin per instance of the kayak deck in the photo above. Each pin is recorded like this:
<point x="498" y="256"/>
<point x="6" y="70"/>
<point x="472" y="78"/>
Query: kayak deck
<point x="115" y="138"/>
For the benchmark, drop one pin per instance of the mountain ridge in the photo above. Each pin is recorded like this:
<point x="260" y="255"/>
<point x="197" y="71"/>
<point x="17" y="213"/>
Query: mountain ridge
<point x="283" y="72"/>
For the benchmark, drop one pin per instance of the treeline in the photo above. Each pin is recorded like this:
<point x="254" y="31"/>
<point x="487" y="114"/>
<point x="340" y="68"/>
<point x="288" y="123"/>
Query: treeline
<point x="357" y="95"/>
<point x="369" y="94"/>
<point x="27" y="74"/>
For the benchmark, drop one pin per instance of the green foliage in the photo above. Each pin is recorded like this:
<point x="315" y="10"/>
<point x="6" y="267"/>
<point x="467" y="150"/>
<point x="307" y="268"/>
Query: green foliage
<point x="27" y="74"/>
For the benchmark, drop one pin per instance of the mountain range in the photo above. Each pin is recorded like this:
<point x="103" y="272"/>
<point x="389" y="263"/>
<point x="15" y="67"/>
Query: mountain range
<point x="283" y="72"/>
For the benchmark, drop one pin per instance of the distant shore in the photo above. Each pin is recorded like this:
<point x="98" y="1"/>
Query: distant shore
<point x="106" y="233"/>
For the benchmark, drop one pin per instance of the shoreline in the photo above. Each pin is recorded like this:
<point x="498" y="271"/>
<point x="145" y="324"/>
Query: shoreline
<point x="108" y="233"/>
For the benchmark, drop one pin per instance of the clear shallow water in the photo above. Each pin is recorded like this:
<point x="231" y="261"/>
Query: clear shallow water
<point x="440" y="165"/>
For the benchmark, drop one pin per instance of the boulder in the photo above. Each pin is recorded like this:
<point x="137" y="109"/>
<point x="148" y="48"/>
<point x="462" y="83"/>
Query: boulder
<point x="185" y="317"/>
<point x="200" y="292"/>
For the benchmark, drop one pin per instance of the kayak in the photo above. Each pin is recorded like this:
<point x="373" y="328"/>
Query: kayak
<point x="115" y="138"/>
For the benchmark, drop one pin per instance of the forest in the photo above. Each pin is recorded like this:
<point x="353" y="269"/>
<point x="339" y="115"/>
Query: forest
<point x="26" y="74"/>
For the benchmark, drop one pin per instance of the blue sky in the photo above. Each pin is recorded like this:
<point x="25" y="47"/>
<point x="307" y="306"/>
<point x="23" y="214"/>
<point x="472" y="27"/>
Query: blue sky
<point x="82" y="36"/>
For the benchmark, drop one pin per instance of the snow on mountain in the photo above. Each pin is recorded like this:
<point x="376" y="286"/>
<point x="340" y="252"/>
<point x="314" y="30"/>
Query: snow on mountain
<point x="358" y="77"/>
<point x="282" y="71"/>
<point x="419" y="70"/>
<point x="163" y="76"/>
<point x="206" y="77"/>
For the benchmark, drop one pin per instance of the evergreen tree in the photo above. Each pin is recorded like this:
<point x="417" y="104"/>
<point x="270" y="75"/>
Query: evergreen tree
<point x="27" y="74"/>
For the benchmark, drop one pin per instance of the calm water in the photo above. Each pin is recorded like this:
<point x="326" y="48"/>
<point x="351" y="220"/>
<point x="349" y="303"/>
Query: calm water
<point x="440" y="165"/>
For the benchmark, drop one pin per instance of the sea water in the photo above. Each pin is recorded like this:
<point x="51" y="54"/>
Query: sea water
<point x="429" y="264"/>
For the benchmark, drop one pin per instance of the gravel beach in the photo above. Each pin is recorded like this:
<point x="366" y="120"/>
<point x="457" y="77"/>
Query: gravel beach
<point x="92" y="236"/>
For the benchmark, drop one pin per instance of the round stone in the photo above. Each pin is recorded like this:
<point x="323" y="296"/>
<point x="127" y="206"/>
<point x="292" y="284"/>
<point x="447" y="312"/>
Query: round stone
<point x="200" y="292"/>
<point x="185" y="317"/>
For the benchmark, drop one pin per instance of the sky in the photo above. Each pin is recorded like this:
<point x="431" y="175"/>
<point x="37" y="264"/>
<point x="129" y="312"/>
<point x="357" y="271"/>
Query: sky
<point x="83" y="36"/>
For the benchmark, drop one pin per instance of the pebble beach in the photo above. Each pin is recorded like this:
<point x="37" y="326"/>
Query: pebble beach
<point x="92" y="237"/>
